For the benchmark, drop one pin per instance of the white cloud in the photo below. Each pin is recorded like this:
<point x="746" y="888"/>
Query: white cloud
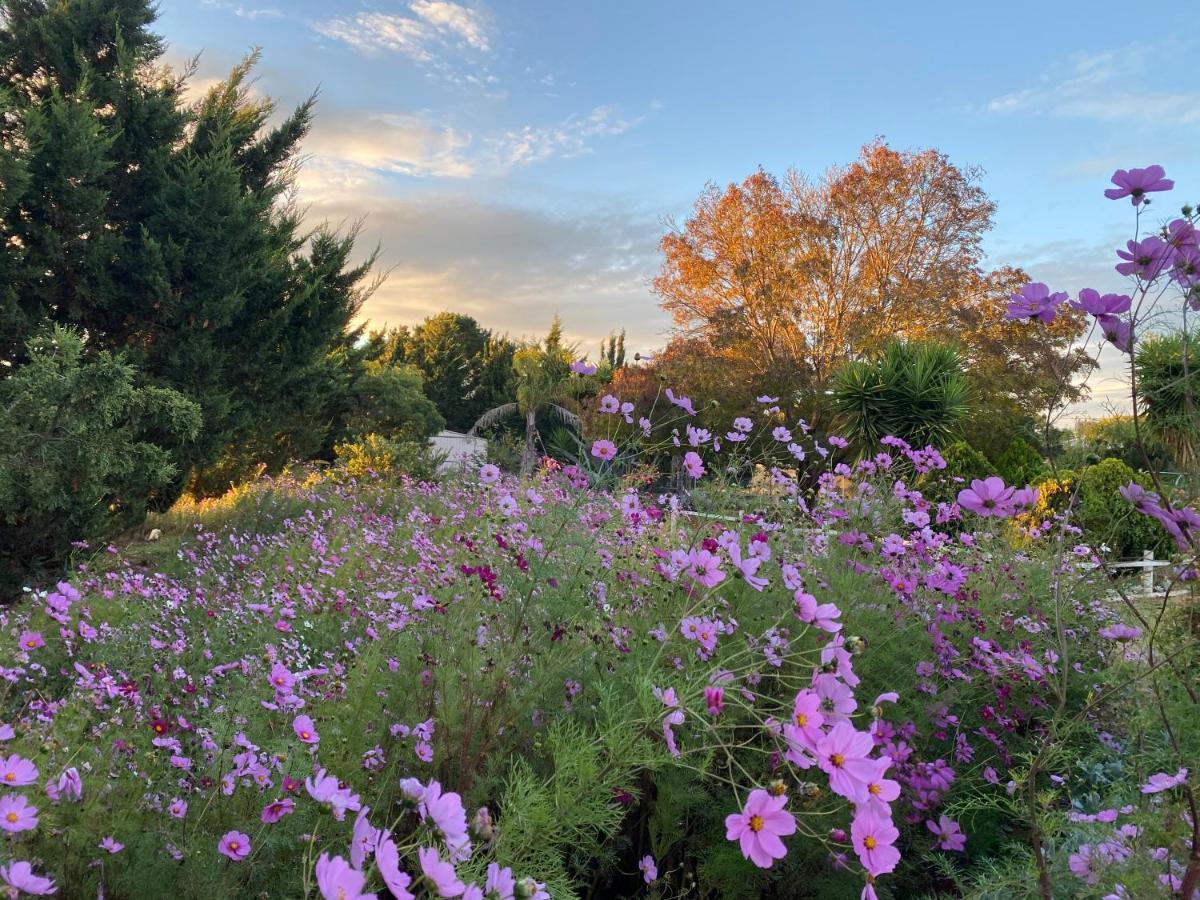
<point x="418" y="145"/>
<point x="568" y="138"/>
<point x="431" y="28"/>
<point x="1108" y="87"/>
<point x="467" y="24"/>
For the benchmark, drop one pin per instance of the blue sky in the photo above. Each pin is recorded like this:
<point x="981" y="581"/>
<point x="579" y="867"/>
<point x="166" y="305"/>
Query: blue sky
<point x="517" y="159"/>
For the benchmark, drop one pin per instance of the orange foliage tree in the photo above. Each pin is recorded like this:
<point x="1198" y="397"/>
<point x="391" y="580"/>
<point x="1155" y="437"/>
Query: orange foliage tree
<point x="782" y="281"/>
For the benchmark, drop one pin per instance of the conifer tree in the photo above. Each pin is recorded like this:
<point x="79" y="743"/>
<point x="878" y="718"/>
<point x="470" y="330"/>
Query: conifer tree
<point x="161" y="229"/>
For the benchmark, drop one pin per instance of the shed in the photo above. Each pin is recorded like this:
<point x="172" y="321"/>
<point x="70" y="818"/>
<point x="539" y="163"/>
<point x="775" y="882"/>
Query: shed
<point x="460" y="449"/>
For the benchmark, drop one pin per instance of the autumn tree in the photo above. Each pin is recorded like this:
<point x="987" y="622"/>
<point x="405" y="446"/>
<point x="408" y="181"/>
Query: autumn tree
<point x="788" y="279"/>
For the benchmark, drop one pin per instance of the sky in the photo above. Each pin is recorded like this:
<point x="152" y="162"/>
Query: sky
<point x="517" y="160"/>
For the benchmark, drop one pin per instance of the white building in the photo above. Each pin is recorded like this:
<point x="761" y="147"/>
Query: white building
<point x="461" y="449"/>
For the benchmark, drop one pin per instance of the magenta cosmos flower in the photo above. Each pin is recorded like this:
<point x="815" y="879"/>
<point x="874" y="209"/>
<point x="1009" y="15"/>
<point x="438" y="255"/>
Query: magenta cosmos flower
<point x="1145" y="258"/>
<point x="1137" y="183"/>
<point x="874" y="838"/>
<point x="306" y="730"/>
<point x="20" y="879"/>
<point x="235" y="845"/>
<point x="1034" y="301"/>
<point x="604" y="449"/>
<point x="275" y="811"/>
<point x="16" y="814"/>
<point x="759" y="827"/>
<point x="950" y="836"/>
<point x="15" y="771"/>
<point x="338" y="880"/>
<point x="1093" y="303"/>
<point x="989" y="497"/>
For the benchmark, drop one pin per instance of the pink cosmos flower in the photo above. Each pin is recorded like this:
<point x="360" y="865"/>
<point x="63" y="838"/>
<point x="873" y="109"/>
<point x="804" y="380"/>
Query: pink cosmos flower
<point x="1091" y="302"/>
<point x="874" y="838"/>
<point x="807" y="719"/>
<point x="387" y="859"/>
<point x="881" y="791"/>
<point x="338" y="880"/>
<point x="675" y="717"/>
<point x="501" y="884"/>
<point x="305" y="730"/>
<point x="759" y="827"/>
<point x="447" y="812"/>
<point x="31" y="640"/>
<point x="1034" y="301"/>
<point x="1163" y="782"/>
<point x="363" y="839"/>
<point x="609" y="404"/>
<point x="704" y="568"/>
<point x="15" y="771"/>
<point x="276" y="810"/>
<point x="112" y="845"/>
<point x="693" y="464"/>
<point x="1145" y="258"/>
<point x="604" y="450"/>
<point x="16" y="814"/>
<point x="987" y="497"/>
<point x="649" y="869"/>
<point x="1120" y="632"/>
<point x="489" y="474"/>
<point x="235" y="845"/>
<point x="69" y="786"/>
<point x="682" y="402"/>
<point x="282" y="679"/>
<point x="20" y="879"/>
<point x="843" y="756"/>
<point x="1137" y="183"/>
<point x="950" y="836"/>
<point x="823" y="615"/>
<point x="442" y="874"/>
<point x="178" y="808"/>
<point x="581" y="367"/>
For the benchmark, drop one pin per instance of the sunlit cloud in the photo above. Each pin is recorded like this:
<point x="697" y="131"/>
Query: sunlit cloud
<point x="429" y="28"/>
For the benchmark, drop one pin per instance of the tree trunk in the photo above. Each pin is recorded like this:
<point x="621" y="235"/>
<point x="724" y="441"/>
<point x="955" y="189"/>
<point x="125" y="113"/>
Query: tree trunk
<point x="529" y="457"/>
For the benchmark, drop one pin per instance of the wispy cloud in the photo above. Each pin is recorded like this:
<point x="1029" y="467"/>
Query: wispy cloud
<point x="418" y="145"/>
<point x="428" y="29"/>
<point x="1110" y="86"/>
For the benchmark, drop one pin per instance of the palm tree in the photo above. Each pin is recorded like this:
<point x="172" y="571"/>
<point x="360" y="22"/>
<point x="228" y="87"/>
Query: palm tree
<point x="915" y="391"/>
<point x="544" y="383"/>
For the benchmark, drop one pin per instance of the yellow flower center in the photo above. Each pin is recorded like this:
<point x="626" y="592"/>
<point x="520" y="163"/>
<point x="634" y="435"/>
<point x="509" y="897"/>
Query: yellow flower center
<point x="874" y="789"/>
<point x="31" y="644"/>
<point x="801" y="719"/>
<point x="756" y="823"/>
<point x="12" y="817"/>
<point x="869" y="842"/>
<point x="837" y="759"/>
<point x="233" y="845"/>
<point x="10" y="776"/>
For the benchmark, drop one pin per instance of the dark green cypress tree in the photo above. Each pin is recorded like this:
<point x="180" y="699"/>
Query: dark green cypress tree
<point x="165" y="230"/>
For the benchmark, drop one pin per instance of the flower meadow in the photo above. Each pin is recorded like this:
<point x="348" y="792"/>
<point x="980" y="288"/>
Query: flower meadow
<point x="798" y="669"/>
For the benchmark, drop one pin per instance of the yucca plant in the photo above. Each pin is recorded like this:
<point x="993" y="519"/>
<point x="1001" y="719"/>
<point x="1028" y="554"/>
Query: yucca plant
<point x="915" y="391"/>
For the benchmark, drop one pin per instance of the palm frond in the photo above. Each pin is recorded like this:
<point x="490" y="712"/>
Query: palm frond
<point x="494" y="416"/>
